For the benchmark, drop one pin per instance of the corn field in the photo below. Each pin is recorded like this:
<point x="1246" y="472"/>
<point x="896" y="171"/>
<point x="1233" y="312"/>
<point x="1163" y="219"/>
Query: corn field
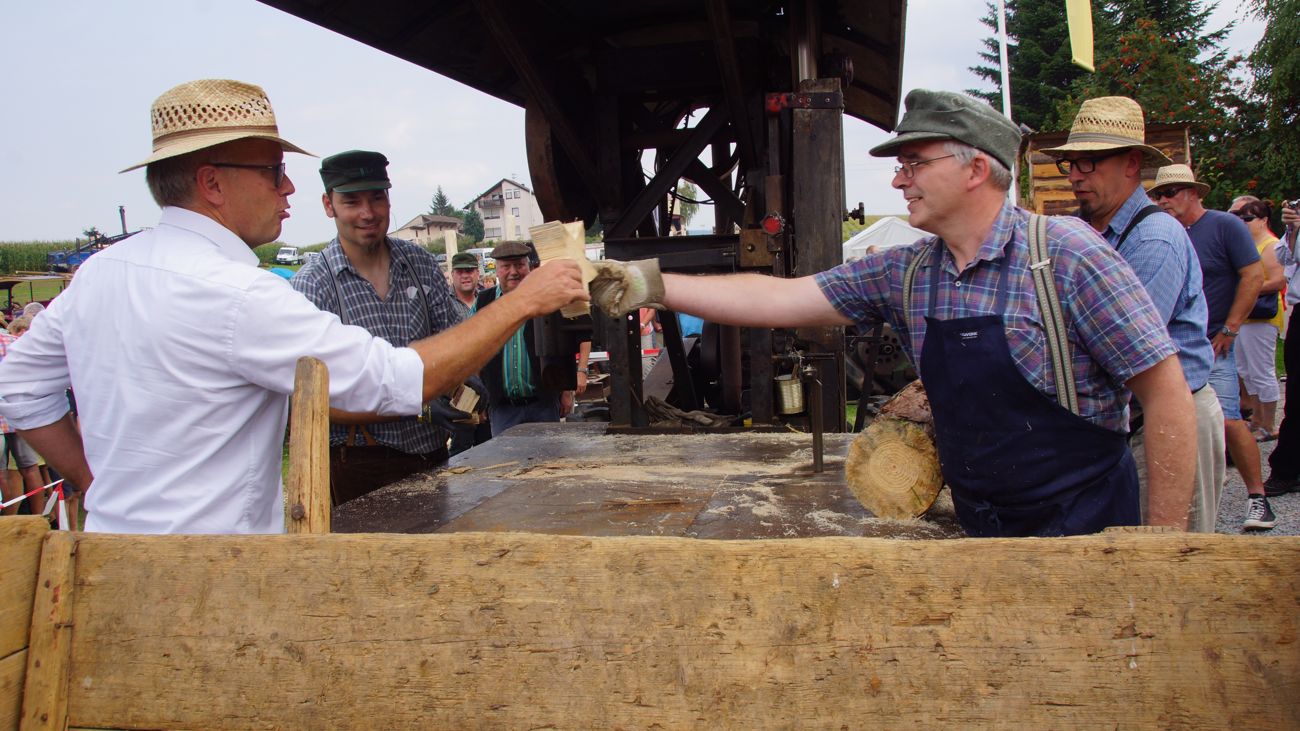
<point x="28" y="256"/>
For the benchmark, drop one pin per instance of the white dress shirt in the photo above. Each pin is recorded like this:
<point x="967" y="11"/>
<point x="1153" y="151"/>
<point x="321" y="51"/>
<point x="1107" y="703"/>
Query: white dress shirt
<point x="181" y="354"/>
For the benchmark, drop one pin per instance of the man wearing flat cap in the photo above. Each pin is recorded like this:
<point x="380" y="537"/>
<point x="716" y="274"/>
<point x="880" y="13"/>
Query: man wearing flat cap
<point x="1233" y="275"/>
<point x="1026" y="331"/>
<point x="524" y="384"/>
<point x="464" y="280"/>
<point x="396" y="291"/>
<point x="182" y="351"/>
<point x="1103" y="158"/>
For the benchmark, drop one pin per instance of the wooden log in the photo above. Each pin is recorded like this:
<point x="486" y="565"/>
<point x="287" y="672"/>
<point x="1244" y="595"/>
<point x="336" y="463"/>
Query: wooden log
<point x="893" y="466"/>
<point x="49" y="658"/>
<point x="517" y="630"/>
<point x="307" y="491"/>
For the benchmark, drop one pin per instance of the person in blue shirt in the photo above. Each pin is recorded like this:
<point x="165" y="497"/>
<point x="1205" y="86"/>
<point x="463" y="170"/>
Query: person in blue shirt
<point x="1103" y="159"/>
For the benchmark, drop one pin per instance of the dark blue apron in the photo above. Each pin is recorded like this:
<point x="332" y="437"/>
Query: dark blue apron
<point x="1018" y="463"/>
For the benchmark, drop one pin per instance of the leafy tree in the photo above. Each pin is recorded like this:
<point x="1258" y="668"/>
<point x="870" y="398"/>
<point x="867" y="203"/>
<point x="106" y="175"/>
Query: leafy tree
<point x="473" y="222"/>
<point x="441" y="205"/>
<point x="687" y="201"/>
<point x="1276" y="89"/>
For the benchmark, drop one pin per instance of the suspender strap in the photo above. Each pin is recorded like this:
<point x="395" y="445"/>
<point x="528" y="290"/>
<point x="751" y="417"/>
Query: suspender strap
<point x="1137" y="218"/>
<point x="419" y="287"/>
<point x="1049" y="306"/>
<point x="909" y="280"/>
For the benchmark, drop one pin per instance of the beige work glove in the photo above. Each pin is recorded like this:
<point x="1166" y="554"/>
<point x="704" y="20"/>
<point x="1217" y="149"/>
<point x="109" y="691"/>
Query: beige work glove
<point x="621" y="287"/>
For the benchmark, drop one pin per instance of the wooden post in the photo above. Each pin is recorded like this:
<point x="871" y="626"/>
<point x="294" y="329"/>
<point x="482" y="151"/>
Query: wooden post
<point x="307" y="493"/>
<point x="49" y="656"/>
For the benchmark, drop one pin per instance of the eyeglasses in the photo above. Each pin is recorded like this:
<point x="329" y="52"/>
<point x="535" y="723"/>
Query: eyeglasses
<point x="277" y="170"/>
<point x="1084" y="165"/>
<point x="1244" y="216"/>
<point x="908" y="169"/>
<point x="1167" y="193"/>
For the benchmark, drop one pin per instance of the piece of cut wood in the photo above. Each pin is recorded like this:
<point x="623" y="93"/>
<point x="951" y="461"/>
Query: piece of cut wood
<point x="893" y="466"/>
<point x="12" y="670"/>
<point x="49" y="658"/>
<point x="307" y="491"/>
<point x="555" y="240"/>
<point x="20" y="555"/>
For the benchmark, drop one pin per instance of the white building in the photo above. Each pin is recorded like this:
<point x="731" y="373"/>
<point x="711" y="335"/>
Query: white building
<point x="508" y="210"/>
<point x="425" y="229"/>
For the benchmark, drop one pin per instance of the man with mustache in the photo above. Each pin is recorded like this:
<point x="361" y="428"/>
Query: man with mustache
<point x="1103" y="158"/>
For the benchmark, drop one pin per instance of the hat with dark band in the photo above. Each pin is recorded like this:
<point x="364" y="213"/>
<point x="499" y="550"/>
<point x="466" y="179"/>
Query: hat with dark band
<point x="1109" y="123"/>
<point x="1178" y="175"/>
<point x="355" y="170"/>
<point x="944" y="115"/>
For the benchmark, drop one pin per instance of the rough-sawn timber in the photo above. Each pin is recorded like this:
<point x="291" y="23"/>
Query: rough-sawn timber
<point x="524" y="630"/>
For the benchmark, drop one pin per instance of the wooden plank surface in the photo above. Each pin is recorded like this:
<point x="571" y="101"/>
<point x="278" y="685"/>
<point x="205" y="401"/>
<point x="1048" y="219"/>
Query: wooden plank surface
<point x="573" y="479"/>
<point x="307" y="490"/>
<point x="45" y="693"/>
<point x="531" y="631"/>
<point x="20" y="556"/>
<point x="12" y="669"/>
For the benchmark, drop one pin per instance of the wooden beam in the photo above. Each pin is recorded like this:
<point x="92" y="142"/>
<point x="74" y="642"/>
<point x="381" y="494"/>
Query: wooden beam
<point x="20" y="556"/>
<point x="540" y="92"/>
<point x="667" y="177"/>
<point x="524" y="630"/>
<point x="733" y="91"/>
<point x="49" y="658"/>
<point x="307" y="491"/>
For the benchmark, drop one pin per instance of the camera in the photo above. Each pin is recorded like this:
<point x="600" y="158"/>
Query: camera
<point x="1293" y="205"/>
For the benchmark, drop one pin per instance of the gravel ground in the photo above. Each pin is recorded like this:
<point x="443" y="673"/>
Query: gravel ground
<point x="1232" y="507"/>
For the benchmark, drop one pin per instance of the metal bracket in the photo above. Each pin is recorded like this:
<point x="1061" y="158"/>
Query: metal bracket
<point x="775" y="103"/>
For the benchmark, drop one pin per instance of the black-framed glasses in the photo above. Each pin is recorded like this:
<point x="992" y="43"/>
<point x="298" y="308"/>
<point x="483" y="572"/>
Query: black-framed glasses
<point x="1084" y="165"/>
<point x="1167" y="193"/>
<point x="277" y="170"/>
<point x="1244" y="216"/>
<point x="908" y="169"/>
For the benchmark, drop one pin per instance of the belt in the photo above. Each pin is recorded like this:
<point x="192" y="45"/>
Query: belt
<point x="519" y="401"/>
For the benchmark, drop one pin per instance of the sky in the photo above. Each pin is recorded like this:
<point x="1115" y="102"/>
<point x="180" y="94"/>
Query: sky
<point x="84" y="73"/>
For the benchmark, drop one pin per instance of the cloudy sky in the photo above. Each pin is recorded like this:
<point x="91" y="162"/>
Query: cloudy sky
<point x="83" y="73"/>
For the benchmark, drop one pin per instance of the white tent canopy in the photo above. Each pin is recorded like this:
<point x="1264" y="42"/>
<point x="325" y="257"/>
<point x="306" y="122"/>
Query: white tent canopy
<point x="888" y="231"/>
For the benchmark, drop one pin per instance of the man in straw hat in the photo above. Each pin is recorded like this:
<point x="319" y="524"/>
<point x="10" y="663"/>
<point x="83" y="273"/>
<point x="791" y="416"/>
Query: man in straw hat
<point x="1103" y="159"/>
<point x="182" y="352"/>
<point x="1232" y="275"/>
<point x="1026" y="452"/>
<point x="396" y="291"/>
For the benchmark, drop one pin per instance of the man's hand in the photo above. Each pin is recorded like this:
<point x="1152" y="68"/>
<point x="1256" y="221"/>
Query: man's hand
<point x="440" y="413"/>
<point x="552" y="286"/>
<point x="620" y="287"/>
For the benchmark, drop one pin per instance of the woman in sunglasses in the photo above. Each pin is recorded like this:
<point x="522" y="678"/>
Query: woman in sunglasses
<point x="1257" y="344"/>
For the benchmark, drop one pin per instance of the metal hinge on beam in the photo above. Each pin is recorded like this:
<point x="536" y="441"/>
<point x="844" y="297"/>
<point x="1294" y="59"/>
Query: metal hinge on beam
<point x="817" y="100"/>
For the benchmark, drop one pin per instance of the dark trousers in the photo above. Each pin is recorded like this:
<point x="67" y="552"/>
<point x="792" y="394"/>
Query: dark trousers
<point x="1284" y="462"/>
<point x="357" y="471"/>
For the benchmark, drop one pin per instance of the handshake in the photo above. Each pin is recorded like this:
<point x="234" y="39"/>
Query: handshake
<point x="621" y="287"/>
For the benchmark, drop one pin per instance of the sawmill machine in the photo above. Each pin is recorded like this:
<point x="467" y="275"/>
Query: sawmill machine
<point x="623" y="100"/>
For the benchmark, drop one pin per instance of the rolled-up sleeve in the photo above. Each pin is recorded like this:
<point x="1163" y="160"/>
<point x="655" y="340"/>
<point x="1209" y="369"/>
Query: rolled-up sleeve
<point x="34" y="376"/>
<point x="273" y="326"/>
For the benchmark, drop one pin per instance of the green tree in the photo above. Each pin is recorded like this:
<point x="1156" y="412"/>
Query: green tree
<point x="686" y="201"/>
<point x="473" y="222"/>
<point x="1276" y="89"/>
<point x="441" y="205"/>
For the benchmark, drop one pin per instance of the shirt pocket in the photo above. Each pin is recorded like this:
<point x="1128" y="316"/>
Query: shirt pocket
<point x="1027" y="342"/>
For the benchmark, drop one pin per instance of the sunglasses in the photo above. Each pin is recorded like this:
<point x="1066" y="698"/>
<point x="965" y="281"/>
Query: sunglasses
<point x="277" y="170"/>
<point x="1167" y="193"/>
<point x="1244" y="216"/>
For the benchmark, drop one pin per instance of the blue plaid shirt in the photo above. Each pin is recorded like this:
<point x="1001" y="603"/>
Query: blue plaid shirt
<point x="396" y="319"/>
<point x="1164" y="260"/>
<point x="1114" y="329"/>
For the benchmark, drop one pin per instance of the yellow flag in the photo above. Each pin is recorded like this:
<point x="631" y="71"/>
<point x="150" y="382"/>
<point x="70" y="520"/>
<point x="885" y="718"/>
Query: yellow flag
<point x="1078" y="15"/>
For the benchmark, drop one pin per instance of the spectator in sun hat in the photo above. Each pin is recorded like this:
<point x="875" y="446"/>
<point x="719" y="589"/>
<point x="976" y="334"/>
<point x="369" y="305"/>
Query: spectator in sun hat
<point x="182" y="352"/>
<point x="1103" y="158"/>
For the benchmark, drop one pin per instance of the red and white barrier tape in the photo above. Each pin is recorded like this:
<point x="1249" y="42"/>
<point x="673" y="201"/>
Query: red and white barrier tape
<point x="49" y="506"/>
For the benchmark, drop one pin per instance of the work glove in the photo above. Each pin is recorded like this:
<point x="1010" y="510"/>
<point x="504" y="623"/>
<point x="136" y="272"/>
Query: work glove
<point x="440" y="413"/>
<point x="621" y="287"/>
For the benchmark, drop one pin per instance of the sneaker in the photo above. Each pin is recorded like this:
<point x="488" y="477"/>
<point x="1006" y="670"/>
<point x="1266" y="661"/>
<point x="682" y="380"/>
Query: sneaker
<point x="1275" y="486"/>
<point x="1260" y="516"/>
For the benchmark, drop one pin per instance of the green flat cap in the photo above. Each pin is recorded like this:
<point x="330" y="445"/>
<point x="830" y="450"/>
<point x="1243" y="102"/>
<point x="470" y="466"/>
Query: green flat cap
<point x="464" y="260"/>
<point x="510" y="250"/>
<point x="355" y="170"/>
<point x="944" y="115"/>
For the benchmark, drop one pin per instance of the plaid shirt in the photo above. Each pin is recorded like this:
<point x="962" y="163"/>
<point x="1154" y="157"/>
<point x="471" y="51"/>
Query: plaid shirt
<point x="1114" y="330"/>
<point x="396" y="319"/>
<point x="5" y="341"/>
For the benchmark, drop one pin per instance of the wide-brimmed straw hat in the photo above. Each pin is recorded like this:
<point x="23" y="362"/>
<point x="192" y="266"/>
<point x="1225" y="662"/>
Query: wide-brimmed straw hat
<point x="200" y="114"/>
<point x="1109" y="123"/>
<point x="1171" y="175"/>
